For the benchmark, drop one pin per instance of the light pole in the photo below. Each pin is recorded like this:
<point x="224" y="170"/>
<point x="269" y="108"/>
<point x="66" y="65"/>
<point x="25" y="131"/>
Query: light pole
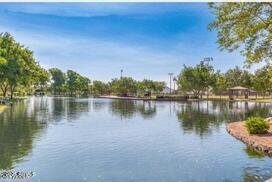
<point x="121" y="73"/>
<point x="170" y="76"/>
<point x="175" y="80"/>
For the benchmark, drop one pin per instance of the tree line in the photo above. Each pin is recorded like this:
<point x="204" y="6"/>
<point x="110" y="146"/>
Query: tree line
<point x="72" y="83"/>
<point x="127" y="86"/>
<point x="202" y="79"/>
<point x="21" y="73"/>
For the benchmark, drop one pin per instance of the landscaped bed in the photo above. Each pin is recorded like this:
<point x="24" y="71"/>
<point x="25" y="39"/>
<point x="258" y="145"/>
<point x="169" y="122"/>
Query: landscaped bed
<point x="260" y="142"/>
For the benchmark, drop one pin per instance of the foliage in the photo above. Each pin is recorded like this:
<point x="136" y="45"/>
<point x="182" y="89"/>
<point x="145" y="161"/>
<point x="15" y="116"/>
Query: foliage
<point x="246" y="25"/>
<point x="100" y="88"/>
<point x="42" y="79"/>
<point x="76" y="83"/>
<point x="21" y="67"/>
<point x="58" y="78"/>
<point x="124" y="86"/>
<point x="262" y="80"/>
<point x="196" y="79"/>
<point x="154" y="86"/>
<point x="3" y="76"/>
<point x="256" y="125"/>
<point x="238" y="77"/>
<point x="220" y="83"/>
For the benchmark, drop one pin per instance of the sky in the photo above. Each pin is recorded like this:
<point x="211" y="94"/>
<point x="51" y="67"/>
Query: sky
<point x="146" y="40"/>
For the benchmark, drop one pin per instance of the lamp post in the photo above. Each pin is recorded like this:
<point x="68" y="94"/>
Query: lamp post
<point x="170" y="76"/>
<point x="121" y="73"/>
<point x="175" y="80"/>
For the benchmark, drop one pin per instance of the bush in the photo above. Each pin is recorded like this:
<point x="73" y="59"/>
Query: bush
<point x="256" y="125"/>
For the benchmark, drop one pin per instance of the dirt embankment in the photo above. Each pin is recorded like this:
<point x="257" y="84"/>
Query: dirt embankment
<point x="260" y="142"/>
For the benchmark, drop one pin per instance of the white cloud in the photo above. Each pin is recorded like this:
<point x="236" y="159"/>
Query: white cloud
<point x="96" y="58"/>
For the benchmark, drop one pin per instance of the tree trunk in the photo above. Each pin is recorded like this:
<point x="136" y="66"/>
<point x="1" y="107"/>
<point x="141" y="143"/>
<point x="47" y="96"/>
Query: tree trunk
<point x="11" y="92"/>
<point x="4" y="88"/>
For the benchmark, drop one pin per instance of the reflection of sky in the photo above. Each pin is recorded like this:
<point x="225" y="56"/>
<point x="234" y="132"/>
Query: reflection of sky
<point x="147" y="40"/>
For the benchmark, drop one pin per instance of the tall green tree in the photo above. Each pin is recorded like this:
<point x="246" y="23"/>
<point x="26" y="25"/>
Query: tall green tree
<point x="21" y="65"/>
<point x="73" y="81"/>
<point x="42" y="79"/>
<point x="154" y="86"/>
<point x="58" y="78"/>
<point x="76" y="83"/>
<point x="100" y="88"/>
<point x="238" y="77"/>
<point x="196" y="79"/>
<point x="220" y="83"/>
<point x="3" y="76"/>
<point x="262" y="80"/>
<point x="124" y="86"/>
<point x="245" y="25"/>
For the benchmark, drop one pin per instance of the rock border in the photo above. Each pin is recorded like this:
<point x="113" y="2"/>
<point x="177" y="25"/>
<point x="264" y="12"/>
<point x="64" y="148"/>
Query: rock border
<point x="259" y="142"/>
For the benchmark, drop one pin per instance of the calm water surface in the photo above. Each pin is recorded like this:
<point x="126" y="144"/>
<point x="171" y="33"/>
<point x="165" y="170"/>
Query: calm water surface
<point x="66" y="139"/>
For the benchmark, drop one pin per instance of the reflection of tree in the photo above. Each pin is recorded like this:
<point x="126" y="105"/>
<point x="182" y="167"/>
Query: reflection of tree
<point x="253" y="153"/>
<point x="18" y="127"/>
<point x="201" y="116"/>
<point x="21" y="123"/>
<point x="129" y="108"/>
<point x="59" y="108"/>
<point x="99" y="104"/>
<point x="75" y="108"/>
<point x="147" y="110"/>
<point x="196" y="119"/>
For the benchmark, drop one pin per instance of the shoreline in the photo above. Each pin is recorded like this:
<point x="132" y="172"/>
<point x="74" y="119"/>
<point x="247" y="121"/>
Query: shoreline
<point x="180" y="99"/>
<point x="259" y="142"/>
<point x="142" y="98"/>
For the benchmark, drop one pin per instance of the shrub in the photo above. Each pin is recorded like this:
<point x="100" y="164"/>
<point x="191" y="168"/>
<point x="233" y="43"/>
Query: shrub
<point x="256" y="125"/>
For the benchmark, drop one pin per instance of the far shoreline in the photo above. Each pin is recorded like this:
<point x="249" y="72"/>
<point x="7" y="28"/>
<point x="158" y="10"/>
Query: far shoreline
<point x="181" y="99"/>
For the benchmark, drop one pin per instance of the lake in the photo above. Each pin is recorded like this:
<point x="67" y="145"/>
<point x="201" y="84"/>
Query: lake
<point x="88" y="139"/>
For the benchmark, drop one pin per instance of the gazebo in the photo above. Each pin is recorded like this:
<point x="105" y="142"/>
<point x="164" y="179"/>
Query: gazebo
<point x="236" y="90"/>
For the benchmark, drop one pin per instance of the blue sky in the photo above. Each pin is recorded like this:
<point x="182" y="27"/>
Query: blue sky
<point x="146" y="40"/>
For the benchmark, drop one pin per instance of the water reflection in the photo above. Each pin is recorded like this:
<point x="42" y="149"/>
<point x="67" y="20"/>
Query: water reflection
<point x="18" y="128"/>
<point x="203" y="117"/>
<point x="24" y="122"/>
<point x="126" y="109"/>
<point x="253" y="153"/>
<point x="197" y="119"/>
